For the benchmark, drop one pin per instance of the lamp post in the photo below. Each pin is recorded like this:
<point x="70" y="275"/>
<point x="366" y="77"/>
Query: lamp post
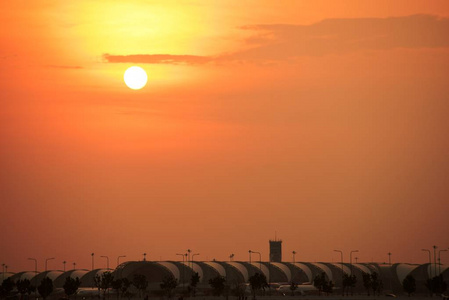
<point x="46" y="260"/>
<point x="350" y="258"/>
<point x="231" y="257"/>
<point x="249" y="251"/>
<point x="74" y="266"/>
<point x="118" y="259"/>
<point x="193" y="255"/>
<point x="35" y="271"/>
<point x="389" y="258"/>
<point x="356" y="258"/>
<point x="342" y="273"/>
<point x="145" y="256"/>
<point x="435" y="258"/>
<point x="183" y="267"/>
<point x="439" y="260"/>
<point x="63" y="263"/>
<point x="294" y="253"/>
<point x="260" y="260"/>
<point x="188" y="253"/>
<point x="107" y="261"/>
<point x="430" y="260"/>
<point x="92" y="254"/>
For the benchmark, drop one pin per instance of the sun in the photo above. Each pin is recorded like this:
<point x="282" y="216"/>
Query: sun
<point x="135" y="77"/>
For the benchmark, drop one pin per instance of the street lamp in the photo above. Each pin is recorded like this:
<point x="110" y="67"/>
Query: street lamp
<point x="389" y="258"/>
<point x="118" y="259"/>
<point x="107" y="261"/>
<point x="64" y="262"/>
<point x="145" y="256"/>
<point x="249" y="256"/>
<point x="342" y="272"/>
<point x="92" y="254"/>
<point x="74" y="266"/>
<point x="35" y="271"/>
<point x="231" y="257"/>
<point x="350" y="258"/>
<point x="260" y="260"/>
<point x="183" y="267"/>
<point x="356" y="258"/>
<point x="193" y="255"/>
<point x="47" y="261"/>
<point x="439" y="260"/>
<point x="294" y="253"/>
<point x="430" y="260"/>
<point x="435" y="258"/>
<point x="188" y="252"/>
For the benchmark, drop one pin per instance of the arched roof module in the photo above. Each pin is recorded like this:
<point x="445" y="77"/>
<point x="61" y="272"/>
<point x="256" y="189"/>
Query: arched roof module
<point x="60" y="280"/>
<point x="172" y="268"/>
<point x="147" y="268"/>
<point x="324" y="269"/>
<point x="194" y="267"/>
<point x="217" y="267"/>
<point x="284" y="269"/>
<point x="24" y="275"/>
<point x="305" y="269"/>
<point x="402" y="270"/>
<point x="344" y="267"/>
<point x="88" y="278"/>
<point x="262" y="268"/>
<point x="362" y="268"/>
<point x="53" y="275"/>
<point x="5" y="276"/>
<point x="240" y="268"/>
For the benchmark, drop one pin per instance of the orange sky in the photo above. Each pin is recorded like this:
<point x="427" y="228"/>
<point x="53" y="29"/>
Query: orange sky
<point x="325" y="121"/>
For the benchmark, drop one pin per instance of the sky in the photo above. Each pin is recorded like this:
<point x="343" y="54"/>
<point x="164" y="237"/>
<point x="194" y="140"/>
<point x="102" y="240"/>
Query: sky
<point x="321" y="123"/>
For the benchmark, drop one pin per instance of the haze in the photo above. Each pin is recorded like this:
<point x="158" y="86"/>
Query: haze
<point x="324" y="122"/>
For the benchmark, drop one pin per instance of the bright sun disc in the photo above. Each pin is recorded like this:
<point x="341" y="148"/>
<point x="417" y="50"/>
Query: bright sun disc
<point x="135" y="78"/>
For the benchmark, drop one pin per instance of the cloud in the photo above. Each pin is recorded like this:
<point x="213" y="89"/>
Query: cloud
<point x="157" y="59"/>
<point x="281" y="42"/>
<point x="65" y="67"/>
<point x="339" y="36"/>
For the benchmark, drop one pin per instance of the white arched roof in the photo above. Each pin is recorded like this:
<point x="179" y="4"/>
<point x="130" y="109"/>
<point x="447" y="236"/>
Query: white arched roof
<point x="23" y="275"/>
<point x="362" y="268"/>
<point x="77" y="273"/>
<point x="402" y="270"/>
<point x="217" y="267"/>
<point x="5" y="276"/>
<point x="284" y="269"/>
<point x="195" y="268"/>
<point x="346" y="269"/>
<point x="305" y="269"/>
<point x="325" y="269"/>
<point x="241" y="268"/>
<point x="262" y="268"/>
<point x="171" y="268"/>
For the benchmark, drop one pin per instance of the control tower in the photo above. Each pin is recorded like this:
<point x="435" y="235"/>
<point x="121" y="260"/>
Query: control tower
<point x="275" y="250"/>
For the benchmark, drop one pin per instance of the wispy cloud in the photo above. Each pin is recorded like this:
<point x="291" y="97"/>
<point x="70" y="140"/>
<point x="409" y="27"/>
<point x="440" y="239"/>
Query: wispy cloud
<point x="65" y="67"/>
<point x="158" y="59"/>
<point x="280" y="42"/>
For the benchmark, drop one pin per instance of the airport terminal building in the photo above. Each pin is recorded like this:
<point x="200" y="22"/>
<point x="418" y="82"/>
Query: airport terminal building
<point x="239" y="272"/>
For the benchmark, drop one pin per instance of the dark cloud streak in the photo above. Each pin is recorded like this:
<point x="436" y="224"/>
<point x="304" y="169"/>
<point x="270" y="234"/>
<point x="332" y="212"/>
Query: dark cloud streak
<point x="157" y="59"/>
<point x="283" y="42"/>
